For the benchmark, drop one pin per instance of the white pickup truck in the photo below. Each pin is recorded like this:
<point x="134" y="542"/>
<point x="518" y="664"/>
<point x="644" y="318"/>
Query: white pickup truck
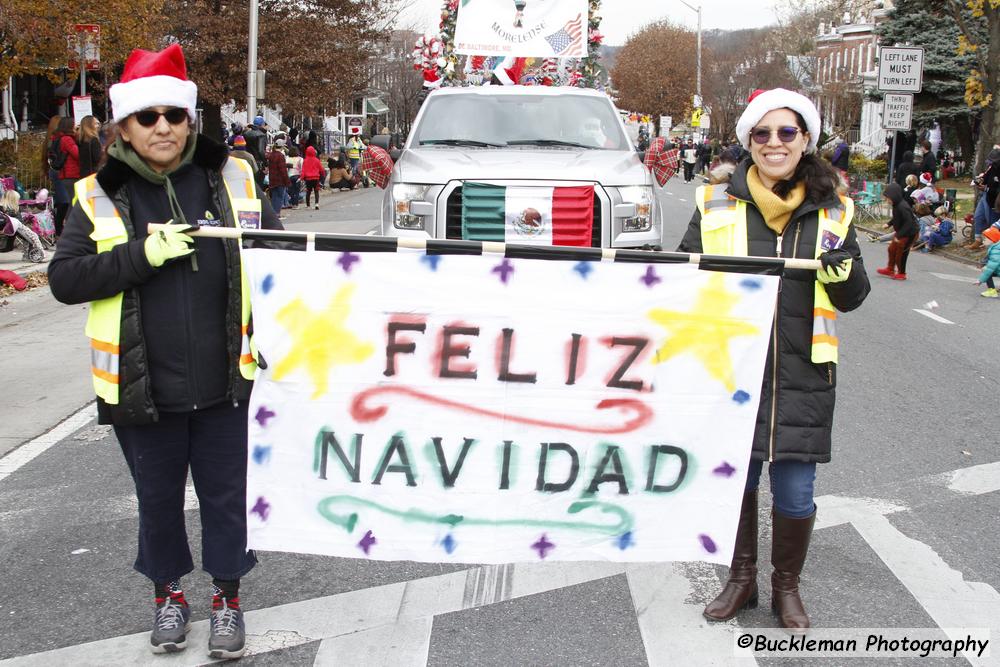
<point x="522" y="165"/>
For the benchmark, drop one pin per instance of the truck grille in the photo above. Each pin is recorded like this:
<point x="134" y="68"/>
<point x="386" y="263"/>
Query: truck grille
<point x="453" y="218"/>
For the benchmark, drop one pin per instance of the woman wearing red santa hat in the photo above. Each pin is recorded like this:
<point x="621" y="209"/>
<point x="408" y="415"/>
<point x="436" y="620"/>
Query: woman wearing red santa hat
<point x="783" y="201"/>
<point x="168" y="324"/>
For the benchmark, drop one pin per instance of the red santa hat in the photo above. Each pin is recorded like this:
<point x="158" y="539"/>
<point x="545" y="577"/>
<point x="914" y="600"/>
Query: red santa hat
<point x="508" y="71"/>
<point x="927" y="178"/>
<point x="153" y="79"/>
<point x="761" y="102"/>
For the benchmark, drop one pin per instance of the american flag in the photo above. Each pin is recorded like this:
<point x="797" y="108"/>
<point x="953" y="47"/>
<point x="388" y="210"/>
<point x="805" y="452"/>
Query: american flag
<point x="569" y="37"/>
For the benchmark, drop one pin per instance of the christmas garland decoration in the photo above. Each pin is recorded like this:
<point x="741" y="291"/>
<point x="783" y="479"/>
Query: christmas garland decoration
<point x="435" y="56"/>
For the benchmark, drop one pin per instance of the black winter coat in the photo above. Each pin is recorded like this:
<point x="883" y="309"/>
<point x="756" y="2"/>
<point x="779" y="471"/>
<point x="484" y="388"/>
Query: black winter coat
<point x="903" y="221"/>
<point x="180" y="334"/>
<point x="795" y="416"/>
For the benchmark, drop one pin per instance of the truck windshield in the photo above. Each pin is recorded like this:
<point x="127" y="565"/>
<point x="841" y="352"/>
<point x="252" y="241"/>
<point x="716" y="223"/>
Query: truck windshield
<point x="528" y="120"/>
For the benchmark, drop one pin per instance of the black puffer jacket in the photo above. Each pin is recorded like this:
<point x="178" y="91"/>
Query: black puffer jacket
<point x="795" y="417"/>
<point x="180" y="334"/>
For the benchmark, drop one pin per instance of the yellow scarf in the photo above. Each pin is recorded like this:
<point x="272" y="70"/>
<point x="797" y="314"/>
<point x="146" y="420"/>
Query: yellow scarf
<point x="776" y="211"/>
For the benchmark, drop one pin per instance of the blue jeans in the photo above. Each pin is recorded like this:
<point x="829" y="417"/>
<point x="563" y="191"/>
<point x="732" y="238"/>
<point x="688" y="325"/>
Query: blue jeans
<point x="984" y="216"/>
<point x="212" y="443"/>
<point x="278" y="197"/>
<point x="791" y="486"/>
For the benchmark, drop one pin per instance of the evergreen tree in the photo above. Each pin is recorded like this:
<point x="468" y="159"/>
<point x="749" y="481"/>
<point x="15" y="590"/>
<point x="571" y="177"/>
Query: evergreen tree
<point x="925" y="23"/>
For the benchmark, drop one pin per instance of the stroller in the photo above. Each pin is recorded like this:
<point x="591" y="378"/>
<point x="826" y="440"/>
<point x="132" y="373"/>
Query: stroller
<point x="18" y="235"/>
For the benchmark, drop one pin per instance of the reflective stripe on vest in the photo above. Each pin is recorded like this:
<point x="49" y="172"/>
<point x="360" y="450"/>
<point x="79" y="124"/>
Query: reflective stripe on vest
<point x="105" y="315"/>
<point x="724" y="232"/>
<point x="354" y="149"/>
<point x="834" y="224"/>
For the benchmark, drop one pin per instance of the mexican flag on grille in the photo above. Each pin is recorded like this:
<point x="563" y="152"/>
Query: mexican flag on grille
<point x="533" y="215"/>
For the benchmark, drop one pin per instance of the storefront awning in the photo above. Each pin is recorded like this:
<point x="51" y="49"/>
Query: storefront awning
<point x="374" y="106"/>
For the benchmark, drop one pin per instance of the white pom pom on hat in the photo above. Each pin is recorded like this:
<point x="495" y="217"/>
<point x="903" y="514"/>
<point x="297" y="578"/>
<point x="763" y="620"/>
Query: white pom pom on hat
<point x="153" y="79"/>
<point x="778" y="98"/>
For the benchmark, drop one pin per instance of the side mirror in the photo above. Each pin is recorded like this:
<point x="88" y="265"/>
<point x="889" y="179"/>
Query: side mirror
<point x="394" y="154"/>
<point x="642" y="155"/>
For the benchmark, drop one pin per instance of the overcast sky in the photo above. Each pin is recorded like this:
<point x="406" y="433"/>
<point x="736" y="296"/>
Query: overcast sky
<point x="623" y="17"/>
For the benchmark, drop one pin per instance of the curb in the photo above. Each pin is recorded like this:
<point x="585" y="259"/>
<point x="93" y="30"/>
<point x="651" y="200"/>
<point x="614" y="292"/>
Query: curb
<point x="940" y="252"/>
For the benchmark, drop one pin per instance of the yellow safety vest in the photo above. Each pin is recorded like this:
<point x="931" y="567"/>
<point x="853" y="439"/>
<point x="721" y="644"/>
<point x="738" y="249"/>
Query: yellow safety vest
<point x="724" y="232"/>
<point x="104" y="319"/>
<point x="354" y="149"/>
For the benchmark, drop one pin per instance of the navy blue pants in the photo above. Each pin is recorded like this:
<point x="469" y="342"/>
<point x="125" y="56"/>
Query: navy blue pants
<point x="791" y="485"/>
<point x="213" y="444"/>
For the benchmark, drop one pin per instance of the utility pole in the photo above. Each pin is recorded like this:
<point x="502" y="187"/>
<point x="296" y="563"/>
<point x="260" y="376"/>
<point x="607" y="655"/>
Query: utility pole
<point x="698" y="97"/>
<point x="252" y="65"/>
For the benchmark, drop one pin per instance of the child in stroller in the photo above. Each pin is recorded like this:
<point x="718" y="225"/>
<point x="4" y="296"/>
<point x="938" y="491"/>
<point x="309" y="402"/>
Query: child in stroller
<point x="14" y="233"/>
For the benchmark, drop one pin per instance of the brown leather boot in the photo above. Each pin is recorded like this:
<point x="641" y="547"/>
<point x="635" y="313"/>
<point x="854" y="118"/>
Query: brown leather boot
<point x="788" y="555"/>
<point x="740" y="592"/>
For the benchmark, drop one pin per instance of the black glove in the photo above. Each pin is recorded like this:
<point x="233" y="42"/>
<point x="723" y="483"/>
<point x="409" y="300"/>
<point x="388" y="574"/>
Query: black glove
<point x="836" y="266"/>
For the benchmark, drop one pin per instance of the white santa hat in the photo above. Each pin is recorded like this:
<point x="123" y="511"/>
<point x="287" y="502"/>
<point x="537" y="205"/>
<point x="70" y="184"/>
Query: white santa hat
<point x="761" y="102"/>
<point x="153" y="79"/>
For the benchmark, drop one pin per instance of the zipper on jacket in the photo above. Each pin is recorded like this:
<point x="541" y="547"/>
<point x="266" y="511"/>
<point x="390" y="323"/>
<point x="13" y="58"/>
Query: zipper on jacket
<point x="829" y="372"/>
<point x="192" y="366"/>
<point x="774" y="345"/>
<point x="234" y="321"/>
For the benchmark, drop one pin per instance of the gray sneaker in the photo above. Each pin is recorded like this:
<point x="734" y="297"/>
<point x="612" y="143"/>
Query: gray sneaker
<point x="170" y="627"/>
<point x="228" y="639"/>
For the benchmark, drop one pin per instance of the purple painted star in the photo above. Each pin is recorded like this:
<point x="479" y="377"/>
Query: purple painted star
<point x="263" y="416"/>
<point x="347" y="260"/>
<point x="724" y="470"/>
<point x="650" y="277"/>
<point x="708" y="543"/>
<point x="261" y="508"/>
<point x="543" y="546"/>
<point x="367" y="542"/>
<point x="504" y="268"/>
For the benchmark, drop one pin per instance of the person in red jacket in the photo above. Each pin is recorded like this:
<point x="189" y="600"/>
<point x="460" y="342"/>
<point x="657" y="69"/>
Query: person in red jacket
<point x="70" y="171"/>
<point x="312" y="172"/>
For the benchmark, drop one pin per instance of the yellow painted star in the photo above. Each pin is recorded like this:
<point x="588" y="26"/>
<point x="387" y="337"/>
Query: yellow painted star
<point x="705" y="331"/>
<point x="319" y="339"/>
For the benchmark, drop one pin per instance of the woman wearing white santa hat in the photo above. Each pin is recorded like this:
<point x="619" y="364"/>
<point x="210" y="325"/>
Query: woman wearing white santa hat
<point x="783" y="201"/>
<point x="167" y="326"/>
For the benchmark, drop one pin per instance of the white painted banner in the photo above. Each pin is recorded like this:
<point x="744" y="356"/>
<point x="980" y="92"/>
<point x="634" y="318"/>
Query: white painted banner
<point x="522" y="28"/>
<point x="480" y="409"/>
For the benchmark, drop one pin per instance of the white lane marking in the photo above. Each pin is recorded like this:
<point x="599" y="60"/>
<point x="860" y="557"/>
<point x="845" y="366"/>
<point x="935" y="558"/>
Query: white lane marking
<point x="14" y="459"/>
<point x="975" y="480"/>
<point x="668" y="610"/>
<point x="334" y="616"/>
<point x="950" y="276"/>
<point x="943" y="592"/>
<point x="371" y="232"/>
<point x="681" y="199"/>
<point x="933" y="316"/>
<point x="939" y="588"/>
<point x="403" y="644"/>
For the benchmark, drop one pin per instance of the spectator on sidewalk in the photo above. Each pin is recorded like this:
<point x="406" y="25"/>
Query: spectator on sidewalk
<point x="926" y="194"/>
<point x="941" y="232"/>
<point x="12" y="228"/>
<point x="312" y="172"/>
<point x="753" y="215"/>
<point x="67" y="150"/>
<point x="928" y="163"/>
<point x="354" y="148"/>
<point x="277" y="177"/>
<point x="910" y="186"/>
<point x="904" y="227"/>
<point x="167" y="333"/>
<point x="90" y="145"/>
<point x="906" y="167"/>
<point x="240" y="151"/>
<point x="294" y="163"/>
<point x="340" y="177"/>
<point x="841" y="160"/>
<point x="991" y="240"/>
<point x="690" y="156"/>
<point x="988" y="186"/>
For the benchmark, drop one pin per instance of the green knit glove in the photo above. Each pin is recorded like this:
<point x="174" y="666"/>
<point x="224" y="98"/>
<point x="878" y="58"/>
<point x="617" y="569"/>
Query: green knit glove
<point x="168" y="243"/>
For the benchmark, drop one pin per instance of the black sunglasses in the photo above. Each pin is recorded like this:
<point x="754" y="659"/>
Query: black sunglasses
<point x="149" y="118"/>
<point x="761" y="135"/>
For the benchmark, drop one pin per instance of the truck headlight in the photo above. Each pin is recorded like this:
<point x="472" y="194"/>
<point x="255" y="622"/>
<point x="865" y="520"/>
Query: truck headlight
<point x="642" y="197"/>
<point x="405" y="215"/>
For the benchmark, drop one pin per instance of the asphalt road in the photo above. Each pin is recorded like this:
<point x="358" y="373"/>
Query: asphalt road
<point x="909" y="511"/>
